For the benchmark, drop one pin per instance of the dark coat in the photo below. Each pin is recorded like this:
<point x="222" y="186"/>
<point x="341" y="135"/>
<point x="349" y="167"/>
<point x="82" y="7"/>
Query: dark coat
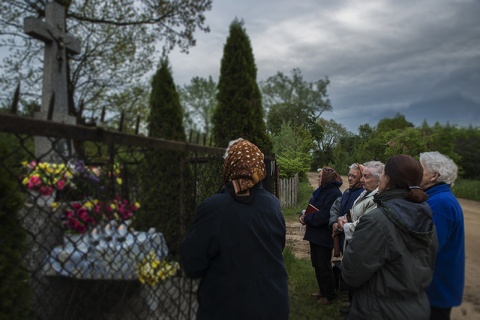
<point x="390" y="260"/>
<point x="236" y="249"/>
<point x="318" y="230"/>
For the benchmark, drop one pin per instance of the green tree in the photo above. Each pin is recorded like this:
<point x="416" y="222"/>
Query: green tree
<point x="133" y="103"/>
<point x="239" y="111"/>
<point x="293" y="146"/>
<point x="332" y="132"/>
<point x="166" y="173"/>
<point x="467" y="145"/>
<point x="397" y="122"/>
<point x="121" y="40"/>
<point x="15" y="291"/>
<point x="295" y="100"/>
<point x="198" y="99"/>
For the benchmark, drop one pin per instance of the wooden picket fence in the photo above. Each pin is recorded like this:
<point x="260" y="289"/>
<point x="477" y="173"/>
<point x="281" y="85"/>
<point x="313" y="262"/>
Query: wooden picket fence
<point x="289" y="191"/>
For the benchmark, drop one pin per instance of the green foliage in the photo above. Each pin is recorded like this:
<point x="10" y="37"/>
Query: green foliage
<point x="239" y="112"/>
<point x="467" y="189"/>
<point x="132" y="102"/>
<point x="121" y="40"/>
<point x="397" y="135"/>
<point x="198" y="99"/>
<point x="292" y="146"/>
<point x="292" y="163"/>
<point x="292" y="99"/>
<point x="467" y="145"/>
<point x="397" y="122"/>
<point x="163" y="197"/>
<point x="346" y="152"/>
<point x="406" y="141"/>
<point x="332" y="132"/>
<point x="15" y="291"/>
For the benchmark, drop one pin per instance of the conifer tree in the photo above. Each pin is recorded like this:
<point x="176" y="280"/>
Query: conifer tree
<point x="165" y="175"/>
<point x="15" y="290"/>
<point x="239" y="112"/>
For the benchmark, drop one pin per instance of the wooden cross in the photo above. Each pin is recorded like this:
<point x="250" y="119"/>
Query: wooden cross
<point x="57" y="44"/>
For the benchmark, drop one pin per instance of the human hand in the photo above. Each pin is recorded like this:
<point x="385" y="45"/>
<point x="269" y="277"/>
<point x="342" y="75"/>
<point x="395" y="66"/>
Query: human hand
<point x="336" y="229"/>
<point x="302" y="219"/>
<point x="341" y="221"/>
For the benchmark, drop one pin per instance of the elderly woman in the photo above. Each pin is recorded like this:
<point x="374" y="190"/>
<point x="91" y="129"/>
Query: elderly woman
<point x="364" y="203"/>
<point x="236" y="242"/>
<point x="319" y="234"/>
<point x="341" y="207"/>
<point x="391" y="257"/>
<point x="446" y="289"/>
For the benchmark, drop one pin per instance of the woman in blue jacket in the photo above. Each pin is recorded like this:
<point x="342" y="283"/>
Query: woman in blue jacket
<point x="319" y="234"/>
<point x="446" y="289"/>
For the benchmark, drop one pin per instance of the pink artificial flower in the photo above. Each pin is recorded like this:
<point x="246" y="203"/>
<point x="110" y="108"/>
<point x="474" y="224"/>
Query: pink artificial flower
<point x="61" y="185"/>
<point x="46" y="190"/>
<point x="34" y="181"/>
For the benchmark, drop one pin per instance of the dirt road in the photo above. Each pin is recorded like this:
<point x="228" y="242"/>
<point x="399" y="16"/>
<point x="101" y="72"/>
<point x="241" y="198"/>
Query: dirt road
<point x="470" y="308"/>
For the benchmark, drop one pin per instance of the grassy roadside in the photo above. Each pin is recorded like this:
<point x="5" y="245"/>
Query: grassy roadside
<point x="467" y="189"/>
<point x="301" y="277"/>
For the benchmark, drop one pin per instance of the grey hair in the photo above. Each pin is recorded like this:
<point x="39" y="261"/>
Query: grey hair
<point x="355" y="166"/>
<point x="434" y="161"/>
<point x="376" y="167"/>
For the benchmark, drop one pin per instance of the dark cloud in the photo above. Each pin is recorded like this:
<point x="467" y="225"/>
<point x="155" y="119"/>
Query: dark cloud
<point x="419" y="58"/>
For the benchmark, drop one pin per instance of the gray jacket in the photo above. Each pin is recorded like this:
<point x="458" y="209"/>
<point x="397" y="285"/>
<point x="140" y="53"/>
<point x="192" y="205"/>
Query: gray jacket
<point x="390" y="260"/>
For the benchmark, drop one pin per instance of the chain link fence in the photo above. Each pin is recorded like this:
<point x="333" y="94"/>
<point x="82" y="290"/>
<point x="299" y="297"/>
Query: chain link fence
<point x="92" y="220"/>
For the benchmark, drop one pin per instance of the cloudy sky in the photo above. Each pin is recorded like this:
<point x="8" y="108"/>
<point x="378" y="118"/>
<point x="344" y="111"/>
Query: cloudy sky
<point x="417" y="57"/>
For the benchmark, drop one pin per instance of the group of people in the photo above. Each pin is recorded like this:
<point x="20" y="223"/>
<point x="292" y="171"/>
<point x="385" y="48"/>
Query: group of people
<point x="402" y="237"/>
<point x="400" y="229"/>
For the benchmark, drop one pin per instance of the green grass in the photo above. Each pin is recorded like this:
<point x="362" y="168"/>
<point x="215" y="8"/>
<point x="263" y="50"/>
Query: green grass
<point x="301" y="284"/>
<point x="467" y="189"/>
<point x="301" y="277"/>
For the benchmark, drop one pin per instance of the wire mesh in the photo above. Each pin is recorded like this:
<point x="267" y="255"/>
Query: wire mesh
<point x="99" y="224"/>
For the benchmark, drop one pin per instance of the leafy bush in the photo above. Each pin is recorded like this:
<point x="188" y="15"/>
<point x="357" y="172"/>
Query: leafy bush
<point x="467" y="189"/>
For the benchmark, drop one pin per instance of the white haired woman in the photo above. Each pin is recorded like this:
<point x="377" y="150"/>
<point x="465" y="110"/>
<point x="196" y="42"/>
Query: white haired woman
<point x="446" y="289"/>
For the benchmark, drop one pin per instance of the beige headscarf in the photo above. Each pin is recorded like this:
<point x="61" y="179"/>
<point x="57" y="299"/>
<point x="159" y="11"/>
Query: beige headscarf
<point x="243" y="165"/>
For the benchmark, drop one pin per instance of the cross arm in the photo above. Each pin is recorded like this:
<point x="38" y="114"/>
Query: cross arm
<point x="44" y="31"/>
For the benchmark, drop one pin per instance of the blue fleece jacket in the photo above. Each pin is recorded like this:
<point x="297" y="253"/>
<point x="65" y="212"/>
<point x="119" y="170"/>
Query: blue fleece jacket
<point x="446" y="289"/>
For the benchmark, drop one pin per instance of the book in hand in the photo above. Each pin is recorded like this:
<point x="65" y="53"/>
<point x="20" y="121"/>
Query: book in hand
<point x="310" y="209"/>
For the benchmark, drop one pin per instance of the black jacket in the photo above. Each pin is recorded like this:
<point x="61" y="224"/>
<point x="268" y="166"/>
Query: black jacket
<point x="390" y="260"/>
<point x="318" y="230"/>
<point x="236" y="249"/>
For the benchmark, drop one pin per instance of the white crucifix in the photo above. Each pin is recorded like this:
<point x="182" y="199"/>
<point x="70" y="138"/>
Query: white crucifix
<point x="57" y="44"/>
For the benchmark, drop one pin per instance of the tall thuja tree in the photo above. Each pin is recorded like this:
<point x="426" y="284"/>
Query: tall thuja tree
<point x="15" y="290"/>
<point x="239" y="112"/>
<point x="166" y="174"/>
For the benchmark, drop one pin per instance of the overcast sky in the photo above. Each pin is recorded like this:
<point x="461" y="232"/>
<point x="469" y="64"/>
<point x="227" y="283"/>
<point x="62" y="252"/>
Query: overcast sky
<point x="417" y="57"/>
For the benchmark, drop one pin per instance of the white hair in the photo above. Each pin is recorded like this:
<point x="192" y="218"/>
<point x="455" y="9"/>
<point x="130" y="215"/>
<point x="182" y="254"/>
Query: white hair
<point x="434" y="161"/>
<point x="375" y="166"/>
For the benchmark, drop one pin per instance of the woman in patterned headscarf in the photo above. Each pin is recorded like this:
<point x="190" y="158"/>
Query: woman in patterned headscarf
<point x="236" y="242"/>
<point x="319" y="234"/>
